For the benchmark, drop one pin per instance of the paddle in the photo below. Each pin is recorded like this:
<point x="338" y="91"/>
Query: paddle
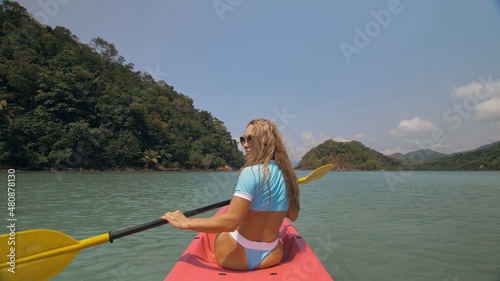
<point x="43" y="253"/>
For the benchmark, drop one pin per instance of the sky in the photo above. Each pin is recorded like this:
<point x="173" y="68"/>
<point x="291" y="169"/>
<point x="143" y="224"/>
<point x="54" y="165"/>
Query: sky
<point x="398" y="76"/>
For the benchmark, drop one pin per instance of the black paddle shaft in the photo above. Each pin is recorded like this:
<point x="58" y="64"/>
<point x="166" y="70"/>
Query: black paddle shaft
<point x="138" y="228"/>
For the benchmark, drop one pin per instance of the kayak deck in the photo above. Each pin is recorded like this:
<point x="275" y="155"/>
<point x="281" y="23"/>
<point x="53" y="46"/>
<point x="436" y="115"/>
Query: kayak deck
<point x="298" y="263"/>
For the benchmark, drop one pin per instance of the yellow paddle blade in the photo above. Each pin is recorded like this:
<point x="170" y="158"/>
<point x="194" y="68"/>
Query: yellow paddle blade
<point x="40" y="254"/>
<point x="316" y="174"/>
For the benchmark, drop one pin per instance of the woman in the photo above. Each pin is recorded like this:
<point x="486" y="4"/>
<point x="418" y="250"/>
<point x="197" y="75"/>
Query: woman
<point x="266" y="192"/>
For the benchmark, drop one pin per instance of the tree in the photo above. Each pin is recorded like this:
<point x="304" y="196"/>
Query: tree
<point x="150" y="156"/>
<point x="125" y="150"/>
<point x="107" y="50"/>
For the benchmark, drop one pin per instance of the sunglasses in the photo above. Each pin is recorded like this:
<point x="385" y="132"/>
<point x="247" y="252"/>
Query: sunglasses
<point x="247" y="139"/>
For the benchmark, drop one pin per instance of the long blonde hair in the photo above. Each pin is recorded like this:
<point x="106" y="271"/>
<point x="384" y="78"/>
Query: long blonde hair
<point x="266" y="145"/>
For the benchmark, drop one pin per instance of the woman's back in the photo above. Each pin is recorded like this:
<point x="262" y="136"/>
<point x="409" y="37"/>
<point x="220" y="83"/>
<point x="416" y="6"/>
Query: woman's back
<point x="261" y="226"/>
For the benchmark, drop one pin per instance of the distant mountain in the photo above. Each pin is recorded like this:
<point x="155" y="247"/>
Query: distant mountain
<point x="355" y="156"/>
<point x="480" y="148"/>
<point x="486" y="157"/>
<point x="418" y="156"/>
<point x="351" y="155"/>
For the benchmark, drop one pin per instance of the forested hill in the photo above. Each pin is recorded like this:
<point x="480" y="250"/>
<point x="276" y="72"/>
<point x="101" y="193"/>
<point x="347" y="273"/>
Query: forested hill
<point x="351" y="155"/>
<point x="355" y="156"/>
<point x="486" y="157"/>
<point x="418" y="156"/>
<point x="66" y="104"/>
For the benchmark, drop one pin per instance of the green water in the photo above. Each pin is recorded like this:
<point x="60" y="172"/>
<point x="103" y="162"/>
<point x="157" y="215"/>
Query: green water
<point x="442" y="226"/>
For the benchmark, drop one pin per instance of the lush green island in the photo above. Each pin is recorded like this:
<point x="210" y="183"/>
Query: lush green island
<point x="351" y="155"/>
<point x="65" y="104"/>
<point x="355" y="156"/>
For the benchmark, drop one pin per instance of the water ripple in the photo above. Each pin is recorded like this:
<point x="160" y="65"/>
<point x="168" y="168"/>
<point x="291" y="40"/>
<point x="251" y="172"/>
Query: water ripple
<point x="433" y="226"/>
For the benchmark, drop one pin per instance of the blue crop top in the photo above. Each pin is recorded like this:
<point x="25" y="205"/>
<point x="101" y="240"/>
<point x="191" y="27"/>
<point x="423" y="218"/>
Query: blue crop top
<point x="250" y="187"/>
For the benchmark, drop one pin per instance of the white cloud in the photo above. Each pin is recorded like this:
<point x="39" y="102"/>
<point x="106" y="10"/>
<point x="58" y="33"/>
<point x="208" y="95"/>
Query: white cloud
<point x="414" y="125"/>
<point x="340" y="139"/>
<point x="480" y="97"/>
<point x="467" y="90"/>
<point x="322" y="138"/>
<point x="308" y="138"/>
<point x="489" y="110"/>
<point x="482" y="90"/>
<point x="296" y="151"/>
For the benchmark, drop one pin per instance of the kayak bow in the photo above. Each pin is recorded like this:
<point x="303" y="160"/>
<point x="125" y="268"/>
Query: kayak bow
<point x="298" y="263"/>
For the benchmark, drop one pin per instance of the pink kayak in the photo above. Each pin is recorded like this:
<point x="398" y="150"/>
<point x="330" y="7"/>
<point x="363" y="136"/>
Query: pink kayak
<point x="299" y="261"/>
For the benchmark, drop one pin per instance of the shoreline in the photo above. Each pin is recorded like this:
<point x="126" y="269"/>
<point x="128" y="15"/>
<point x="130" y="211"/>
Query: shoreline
<point x="163" y="169"/>
<point x="139" y="170"/>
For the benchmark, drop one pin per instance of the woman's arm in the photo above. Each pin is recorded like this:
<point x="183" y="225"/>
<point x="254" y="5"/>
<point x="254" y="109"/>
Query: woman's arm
<point x="225" y="222"/>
